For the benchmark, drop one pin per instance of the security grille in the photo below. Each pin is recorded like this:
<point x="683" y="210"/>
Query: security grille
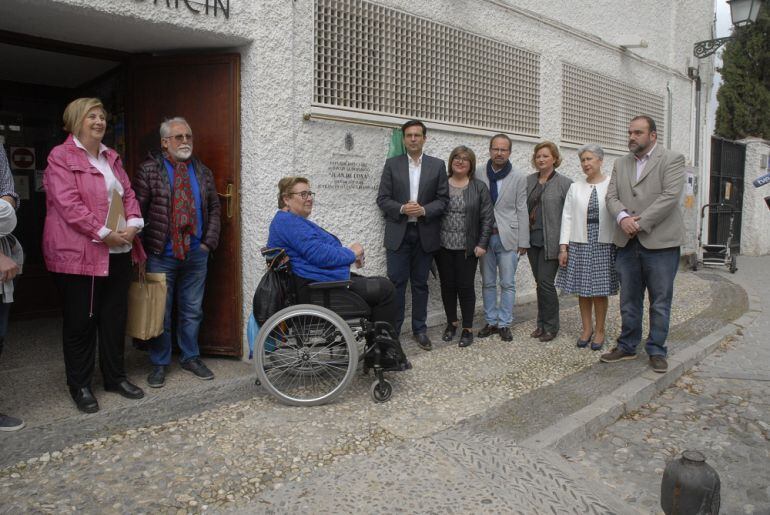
<point x="374" y="59"/>
<point x="597" y="109"/>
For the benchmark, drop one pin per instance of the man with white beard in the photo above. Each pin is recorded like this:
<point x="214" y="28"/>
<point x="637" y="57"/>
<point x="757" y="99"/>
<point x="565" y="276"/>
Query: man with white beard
<point x="178" y="199"/>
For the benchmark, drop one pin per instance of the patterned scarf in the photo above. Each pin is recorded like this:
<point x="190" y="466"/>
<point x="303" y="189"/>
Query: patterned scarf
<point x="496" y="176"/>
<point x="183" y="216"/>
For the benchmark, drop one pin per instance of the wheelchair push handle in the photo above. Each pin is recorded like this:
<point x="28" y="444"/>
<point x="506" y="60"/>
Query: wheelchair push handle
<point x="275" y="258"/>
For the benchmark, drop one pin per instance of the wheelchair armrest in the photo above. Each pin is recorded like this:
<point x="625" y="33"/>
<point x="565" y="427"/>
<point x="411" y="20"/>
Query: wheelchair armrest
<point x="329" y="285"/>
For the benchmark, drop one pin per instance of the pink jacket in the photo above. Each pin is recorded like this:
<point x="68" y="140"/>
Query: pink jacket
<point x="76" y="203"/>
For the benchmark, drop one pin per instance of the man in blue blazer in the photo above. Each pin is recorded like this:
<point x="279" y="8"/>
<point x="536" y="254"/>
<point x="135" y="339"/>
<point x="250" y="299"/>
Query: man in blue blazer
<point x="413" y="194"/>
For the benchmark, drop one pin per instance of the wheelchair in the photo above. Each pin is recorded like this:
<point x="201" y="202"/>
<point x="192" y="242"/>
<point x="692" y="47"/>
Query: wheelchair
<point x="307" y="354"/>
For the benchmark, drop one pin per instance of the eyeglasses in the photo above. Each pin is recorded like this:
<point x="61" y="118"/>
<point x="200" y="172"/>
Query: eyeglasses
<point x="180" y="138"/>
<point x="304" y="195"/>
<point x="461" y="159"/>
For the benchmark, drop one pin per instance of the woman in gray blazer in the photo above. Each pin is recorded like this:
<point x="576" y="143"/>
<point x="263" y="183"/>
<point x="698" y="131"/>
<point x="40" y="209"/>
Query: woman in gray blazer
<point x="546" y="192"/>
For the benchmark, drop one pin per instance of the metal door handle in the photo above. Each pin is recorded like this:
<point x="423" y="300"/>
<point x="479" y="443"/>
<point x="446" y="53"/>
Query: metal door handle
<point x="230" y="196"/>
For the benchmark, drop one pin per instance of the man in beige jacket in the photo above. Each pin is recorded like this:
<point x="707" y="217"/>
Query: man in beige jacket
<point x="643" y="196"/>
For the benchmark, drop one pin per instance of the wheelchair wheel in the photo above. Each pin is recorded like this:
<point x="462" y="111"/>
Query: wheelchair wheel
<point x="381" y="390"/>
<point x="306" y="355"/>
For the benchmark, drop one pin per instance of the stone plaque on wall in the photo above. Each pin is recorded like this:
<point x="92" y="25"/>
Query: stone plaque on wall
<point x="349" y="172"/>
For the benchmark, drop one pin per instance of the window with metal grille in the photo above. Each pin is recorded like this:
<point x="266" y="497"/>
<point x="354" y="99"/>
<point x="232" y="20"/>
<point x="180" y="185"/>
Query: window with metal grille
<point x="375" y="59"/>
<point x="597" y="109"/>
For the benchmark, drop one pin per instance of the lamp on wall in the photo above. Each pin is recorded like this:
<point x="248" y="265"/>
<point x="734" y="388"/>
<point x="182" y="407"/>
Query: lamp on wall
<point x="742" y="12"/>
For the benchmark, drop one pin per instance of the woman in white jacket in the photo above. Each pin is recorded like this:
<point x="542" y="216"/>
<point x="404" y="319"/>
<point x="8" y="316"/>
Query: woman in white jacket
<point x="586" y="252"/>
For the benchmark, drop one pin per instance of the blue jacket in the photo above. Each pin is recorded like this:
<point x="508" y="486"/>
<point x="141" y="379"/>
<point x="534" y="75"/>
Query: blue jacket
<point x="315" y="253"/>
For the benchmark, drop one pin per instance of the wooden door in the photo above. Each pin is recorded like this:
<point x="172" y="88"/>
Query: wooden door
<point x="204" y="89"/>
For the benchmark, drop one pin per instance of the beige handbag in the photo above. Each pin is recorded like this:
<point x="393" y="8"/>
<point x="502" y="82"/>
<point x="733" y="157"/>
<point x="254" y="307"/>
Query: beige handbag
<point x="146" y="306"/>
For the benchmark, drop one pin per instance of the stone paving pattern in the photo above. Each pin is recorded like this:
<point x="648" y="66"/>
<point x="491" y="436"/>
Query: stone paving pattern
<point x="721" y="407"/>
<point x="458" y="471"/>
<point x="231" y="455"/>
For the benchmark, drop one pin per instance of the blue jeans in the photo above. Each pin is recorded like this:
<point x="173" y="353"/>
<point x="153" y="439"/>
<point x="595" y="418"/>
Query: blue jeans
<point x="410" y="264"/>
<point x="641" y="269"/>
<point x="498" y="260"/>
<point x="185" y="281"/>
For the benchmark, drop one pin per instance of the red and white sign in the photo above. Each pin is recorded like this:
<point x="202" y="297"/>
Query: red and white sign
<point x="23" y="158"/>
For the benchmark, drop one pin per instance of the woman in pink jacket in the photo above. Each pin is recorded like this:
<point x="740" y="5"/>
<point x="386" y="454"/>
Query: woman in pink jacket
<point x="91" y="264"/>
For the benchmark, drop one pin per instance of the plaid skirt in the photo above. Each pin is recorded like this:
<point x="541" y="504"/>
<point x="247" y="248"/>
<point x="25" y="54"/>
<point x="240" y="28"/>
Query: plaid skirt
<point x="590" y="270"/>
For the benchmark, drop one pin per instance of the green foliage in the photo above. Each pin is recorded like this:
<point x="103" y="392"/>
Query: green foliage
<point x="744" y="97"/>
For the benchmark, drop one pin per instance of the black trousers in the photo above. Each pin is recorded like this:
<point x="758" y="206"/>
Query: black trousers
<point x="544" y="271"/>
<point x="458" y="276"/>
<point x="95" y="307"/>
<point x="376" y="291"/>
<point x="410" y="263"/>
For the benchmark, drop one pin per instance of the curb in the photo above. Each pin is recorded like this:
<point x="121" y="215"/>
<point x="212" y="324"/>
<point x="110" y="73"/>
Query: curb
<point x="640" y="390"/>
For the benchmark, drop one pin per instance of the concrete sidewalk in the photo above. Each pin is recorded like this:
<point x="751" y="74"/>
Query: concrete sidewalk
<point x="720" y="407"/>
<point x="226" y="445"/>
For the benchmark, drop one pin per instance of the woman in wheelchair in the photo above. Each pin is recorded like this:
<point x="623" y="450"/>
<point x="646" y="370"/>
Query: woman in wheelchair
<point x="316" y="255"/>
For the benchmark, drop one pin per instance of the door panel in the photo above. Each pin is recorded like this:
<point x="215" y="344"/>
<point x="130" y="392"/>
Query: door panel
<point x="205" y="91"/>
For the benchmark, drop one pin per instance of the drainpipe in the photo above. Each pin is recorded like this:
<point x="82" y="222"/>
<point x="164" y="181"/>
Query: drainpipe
<point x="697" y="84"/>
<point x="669" y="115"/>
<point x="697" y="119"/>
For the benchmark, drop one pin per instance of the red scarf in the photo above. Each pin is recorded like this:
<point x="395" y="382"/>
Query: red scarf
<point x="183" y="216"/>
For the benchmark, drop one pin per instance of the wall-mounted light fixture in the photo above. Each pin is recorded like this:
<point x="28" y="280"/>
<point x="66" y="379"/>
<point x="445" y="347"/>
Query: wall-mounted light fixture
<point x="742" y="12"/>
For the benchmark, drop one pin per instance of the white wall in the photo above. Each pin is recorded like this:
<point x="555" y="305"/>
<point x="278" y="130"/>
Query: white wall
<point x="755" y="219"/>
<point x="284" y="79"/>
<point x="277" y="82"/>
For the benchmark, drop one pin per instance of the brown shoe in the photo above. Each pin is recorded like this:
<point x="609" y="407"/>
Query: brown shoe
<point x="616" y="355"/>
<point x="547" y="337"/>
<point x="487" y="330"/>
<point x="658" y="364"/>
<point x="537" y="333"/>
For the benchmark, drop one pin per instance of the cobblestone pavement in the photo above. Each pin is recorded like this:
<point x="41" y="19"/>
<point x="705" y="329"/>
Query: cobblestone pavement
<point x="238" y="453"/>
<point x="721" y="407"/>
<point x="455" y="471"/>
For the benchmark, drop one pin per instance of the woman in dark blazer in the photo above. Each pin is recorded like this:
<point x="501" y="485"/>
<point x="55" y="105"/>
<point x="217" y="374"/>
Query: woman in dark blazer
<point x="465" y="230"/>
<point x="546" y="191"/>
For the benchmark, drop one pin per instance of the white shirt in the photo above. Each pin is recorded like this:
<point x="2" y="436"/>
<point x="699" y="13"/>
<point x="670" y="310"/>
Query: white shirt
<point x="415" y="168"/>
<point x="112" y="183"/>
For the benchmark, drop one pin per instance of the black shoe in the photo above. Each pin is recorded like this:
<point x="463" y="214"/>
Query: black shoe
<point x="10" y="423"/>
<point x="84" y="399"/>
<point x="449" y="332"/>
<point x="466" y="338"/>
<point x="126" y="389"/>
<point x="597" y="345"/>
<point x="537" y="333"/>
<point x="582" y="344"/>
<point x="505" y="334"/>
<point x="157" y="378"/>
<point x="197" y="367"/>
<point x="487" y="330"/>
<point x="423" y="341"/>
